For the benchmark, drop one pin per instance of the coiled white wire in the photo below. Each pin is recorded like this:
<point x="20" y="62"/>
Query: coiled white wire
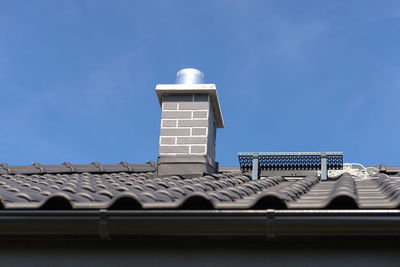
<point x="363" y="173"/>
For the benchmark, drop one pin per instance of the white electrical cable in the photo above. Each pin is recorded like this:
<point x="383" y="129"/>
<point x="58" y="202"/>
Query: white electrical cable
<point x="363" y="173"/>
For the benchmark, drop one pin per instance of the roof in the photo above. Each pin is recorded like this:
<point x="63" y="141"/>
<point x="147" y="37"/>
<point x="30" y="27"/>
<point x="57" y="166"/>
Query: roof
<point x="136" y="186"/>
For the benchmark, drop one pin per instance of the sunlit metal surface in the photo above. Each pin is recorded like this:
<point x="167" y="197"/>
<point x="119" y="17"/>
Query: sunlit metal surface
<point x="189" y="76"/>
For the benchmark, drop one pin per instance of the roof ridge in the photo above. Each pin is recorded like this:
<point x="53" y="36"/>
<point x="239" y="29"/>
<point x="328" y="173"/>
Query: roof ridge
<point x="67" y="167"/>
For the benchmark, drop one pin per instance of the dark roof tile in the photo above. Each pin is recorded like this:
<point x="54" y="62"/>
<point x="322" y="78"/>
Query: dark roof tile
<point x="121" y="186"/>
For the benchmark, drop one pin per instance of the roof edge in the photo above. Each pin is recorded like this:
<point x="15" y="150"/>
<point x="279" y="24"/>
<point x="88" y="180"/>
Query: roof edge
<point x="202" y="223"/>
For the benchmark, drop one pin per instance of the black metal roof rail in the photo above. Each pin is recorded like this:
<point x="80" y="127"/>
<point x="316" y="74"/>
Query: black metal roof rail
<point x="284" y="161"/>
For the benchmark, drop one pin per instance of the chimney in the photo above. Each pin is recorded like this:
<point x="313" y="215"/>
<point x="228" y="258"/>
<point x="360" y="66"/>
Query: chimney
<point x="189" y="120"/>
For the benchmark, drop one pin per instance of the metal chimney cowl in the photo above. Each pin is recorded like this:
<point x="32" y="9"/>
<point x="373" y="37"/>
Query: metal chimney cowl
<point x="189" y="76"/>
<point x="190" y="117"/>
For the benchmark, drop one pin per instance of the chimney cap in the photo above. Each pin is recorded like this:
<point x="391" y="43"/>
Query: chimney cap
<point x="189" y="76"/>
<point x="179" y="89"/>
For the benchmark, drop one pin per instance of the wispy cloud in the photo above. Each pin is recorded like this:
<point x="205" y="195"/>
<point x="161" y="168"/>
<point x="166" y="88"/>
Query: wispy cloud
<point x="270" y="36"/>
<point x="379" y="95"/>
<point x="29" y="119"/>
<point x="292" y="38"/>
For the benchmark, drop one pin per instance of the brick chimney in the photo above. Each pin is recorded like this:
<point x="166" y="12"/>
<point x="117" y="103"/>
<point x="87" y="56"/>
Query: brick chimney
<point x="189" y="120"/>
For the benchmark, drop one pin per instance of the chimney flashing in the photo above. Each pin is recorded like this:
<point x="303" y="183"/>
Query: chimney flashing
<point x="187" y="166"/>
<point x="163" y="90"/>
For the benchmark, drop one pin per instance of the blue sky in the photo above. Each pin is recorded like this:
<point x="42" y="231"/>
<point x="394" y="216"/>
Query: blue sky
<point x="77" y="78"/>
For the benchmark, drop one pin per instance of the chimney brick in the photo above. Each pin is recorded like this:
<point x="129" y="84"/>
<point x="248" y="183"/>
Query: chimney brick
<point x="189" y="118"/>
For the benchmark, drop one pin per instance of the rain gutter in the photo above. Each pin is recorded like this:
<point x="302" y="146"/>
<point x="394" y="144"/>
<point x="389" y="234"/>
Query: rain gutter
<point x="269" y="224"/>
